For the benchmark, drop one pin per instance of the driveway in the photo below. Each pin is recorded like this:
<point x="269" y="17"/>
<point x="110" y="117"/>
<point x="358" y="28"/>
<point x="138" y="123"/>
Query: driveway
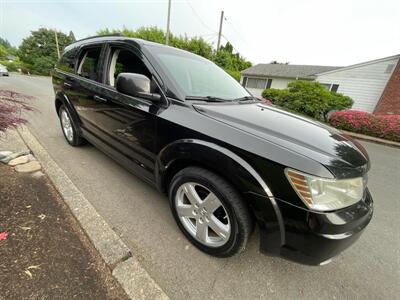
<point x="368" y="270"/>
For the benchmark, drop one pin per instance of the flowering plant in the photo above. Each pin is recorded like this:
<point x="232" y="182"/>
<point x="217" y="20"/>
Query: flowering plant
<point x="381" y="126"/>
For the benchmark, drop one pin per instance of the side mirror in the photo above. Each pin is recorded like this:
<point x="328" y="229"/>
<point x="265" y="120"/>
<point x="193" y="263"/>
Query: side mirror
<point x="136" y="85"/>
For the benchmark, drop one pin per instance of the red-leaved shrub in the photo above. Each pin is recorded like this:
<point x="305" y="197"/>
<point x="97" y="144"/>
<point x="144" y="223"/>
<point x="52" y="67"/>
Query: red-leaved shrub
<point x="12" y="104"/>
<point x="381" y="126"/>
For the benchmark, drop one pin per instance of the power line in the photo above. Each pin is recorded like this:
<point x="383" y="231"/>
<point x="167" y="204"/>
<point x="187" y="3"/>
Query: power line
<point x="231" y="44"/>
<point x="236" y="31"/>
<point x="199" y="18"/>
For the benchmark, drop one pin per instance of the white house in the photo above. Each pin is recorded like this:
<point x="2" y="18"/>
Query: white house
<point x="366" y="83"/>
<point x="277" y="76"/>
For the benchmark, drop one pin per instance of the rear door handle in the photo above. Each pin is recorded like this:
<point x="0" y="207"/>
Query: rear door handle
<point x="66" y="84"/>
<point x="100" y="99"/>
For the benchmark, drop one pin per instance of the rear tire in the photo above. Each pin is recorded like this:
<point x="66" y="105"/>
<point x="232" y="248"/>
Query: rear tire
<point x="69" y="128"/>
<point x="210" y="212"/>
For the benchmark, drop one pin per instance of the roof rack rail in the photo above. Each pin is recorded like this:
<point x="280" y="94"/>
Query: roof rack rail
<point x="102" y="35"/>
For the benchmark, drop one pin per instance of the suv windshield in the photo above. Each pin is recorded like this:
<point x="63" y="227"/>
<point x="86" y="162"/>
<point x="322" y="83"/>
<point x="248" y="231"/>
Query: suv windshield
<point x="199" y="77"/>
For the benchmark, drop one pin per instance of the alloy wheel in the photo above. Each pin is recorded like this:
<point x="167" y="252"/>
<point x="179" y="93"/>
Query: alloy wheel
<point x="202" y="214"/>
<point x="67" y="125"/>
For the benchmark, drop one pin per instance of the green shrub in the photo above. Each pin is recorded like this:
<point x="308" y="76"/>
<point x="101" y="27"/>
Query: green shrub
<point x="12" y="66"/>
<point x="234" y="74"/>
<point x="308" y="98"/>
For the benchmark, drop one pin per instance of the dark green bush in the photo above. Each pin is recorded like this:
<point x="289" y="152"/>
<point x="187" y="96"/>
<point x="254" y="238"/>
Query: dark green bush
<point x="234" y="74"/>
<point x="308" y="98"/>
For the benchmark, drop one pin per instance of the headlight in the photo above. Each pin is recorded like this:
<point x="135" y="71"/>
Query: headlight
<point x="324" y="194"/>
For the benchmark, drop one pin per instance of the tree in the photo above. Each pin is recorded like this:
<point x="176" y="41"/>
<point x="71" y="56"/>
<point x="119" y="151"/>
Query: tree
<point x="5" y="43"/>
<point x="6" y="49"/>
<point x="40" y="51"/>
<point x="233" y="63"/>
<point x="308" y="98"/>
<point x="11" y="106"/>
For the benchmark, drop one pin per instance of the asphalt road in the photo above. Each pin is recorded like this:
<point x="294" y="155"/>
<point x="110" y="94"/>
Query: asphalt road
<point x="370" y="269"/>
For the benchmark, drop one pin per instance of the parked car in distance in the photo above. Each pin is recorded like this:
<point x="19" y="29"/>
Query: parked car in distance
<point x="3" y="70"/>
<point x="226" y="160"/>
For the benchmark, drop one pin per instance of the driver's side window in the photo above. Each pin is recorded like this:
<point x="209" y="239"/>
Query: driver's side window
<point x="125" y="61"/>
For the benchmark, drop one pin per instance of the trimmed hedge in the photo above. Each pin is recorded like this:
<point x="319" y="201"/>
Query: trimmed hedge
<point x="308" y="98"/>
<point x="381" y="126"/>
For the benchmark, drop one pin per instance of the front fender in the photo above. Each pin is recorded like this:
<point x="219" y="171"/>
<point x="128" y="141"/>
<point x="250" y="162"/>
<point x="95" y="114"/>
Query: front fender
<point x="236" y="170"/>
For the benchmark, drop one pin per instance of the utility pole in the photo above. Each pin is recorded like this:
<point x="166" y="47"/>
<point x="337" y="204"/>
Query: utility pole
<point x="168" y="20"/>
<point x="220" y="30"/>
<point x="58" y="48"/>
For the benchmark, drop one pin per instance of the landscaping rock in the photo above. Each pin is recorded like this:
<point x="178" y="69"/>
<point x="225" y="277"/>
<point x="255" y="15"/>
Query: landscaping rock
<point x="19" y="160"/>
<point x="4" y="154"/>
<point x="14" y="155"/>
<point x="31" y="157"/>
<point x="37" y="174"/>
<point x="29" y="167"/>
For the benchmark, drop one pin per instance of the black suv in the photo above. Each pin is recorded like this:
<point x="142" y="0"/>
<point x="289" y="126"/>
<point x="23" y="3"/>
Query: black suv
<point x="226" y="160"/>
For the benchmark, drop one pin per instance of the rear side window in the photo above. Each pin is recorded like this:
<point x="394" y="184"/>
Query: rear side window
<point x="89" y="64"/>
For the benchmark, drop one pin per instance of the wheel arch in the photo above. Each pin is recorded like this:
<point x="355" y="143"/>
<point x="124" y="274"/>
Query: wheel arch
<point x="187" y="152"/>
<point x="62" y="99"/>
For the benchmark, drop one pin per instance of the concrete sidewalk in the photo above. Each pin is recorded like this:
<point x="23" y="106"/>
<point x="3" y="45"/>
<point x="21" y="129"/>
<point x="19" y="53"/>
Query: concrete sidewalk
<point x="124" y="266"/>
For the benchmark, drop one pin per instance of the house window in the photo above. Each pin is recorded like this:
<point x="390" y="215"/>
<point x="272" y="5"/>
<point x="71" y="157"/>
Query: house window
<point x="326" y="85"/>
<point x="257" y="83"/>
<point x="244" y="81"/>
<point x="389" y="69"/>
<point x="269" y="82"/>
<point x="334" y="87"/>
<point x="330" y="87"/>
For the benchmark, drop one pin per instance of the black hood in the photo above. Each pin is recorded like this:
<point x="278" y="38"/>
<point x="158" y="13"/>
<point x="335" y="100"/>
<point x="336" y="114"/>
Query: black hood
<point x="343" y="156"/>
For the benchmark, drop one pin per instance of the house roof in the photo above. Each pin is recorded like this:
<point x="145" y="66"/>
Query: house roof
<point x="286" y="71"/>
<point x="370" y="62"/>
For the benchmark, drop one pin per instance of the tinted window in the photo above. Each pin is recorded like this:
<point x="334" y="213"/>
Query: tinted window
<point x="124" y="61"/>
<point x="67" y="61"/>
<point x="199" y="77"/>
<point x="89" y="64"/>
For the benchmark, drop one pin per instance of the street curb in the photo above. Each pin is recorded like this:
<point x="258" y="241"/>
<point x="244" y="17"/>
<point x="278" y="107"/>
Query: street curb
<point x="126" y="269"/>
<point x="371" y="139"/>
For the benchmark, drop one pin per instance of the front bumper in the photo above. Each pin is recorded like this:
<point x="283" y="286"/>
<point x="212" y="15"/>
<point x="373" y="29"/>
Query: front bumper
<point x="314" y="238"/>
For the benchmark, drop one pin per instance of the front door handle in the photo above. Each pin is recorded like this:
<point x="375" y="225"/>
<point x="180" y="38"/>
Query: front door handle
<point x="68" y="85"/>
<point x="100" y="99"/>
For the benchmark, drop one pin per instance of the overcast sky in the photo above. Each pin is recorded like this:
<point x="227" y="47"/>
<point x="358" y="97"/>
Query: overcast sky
<point x="320" y="32"/>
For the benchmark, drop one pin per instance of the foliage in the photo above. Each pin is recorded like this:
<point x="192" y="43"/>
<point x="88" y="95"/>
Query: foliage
<point x="39" y="50"/>
<point x="4" y="43"/>
<point x="381" y="126"/>
<point x="6" y="49"/>
<point x="11" y="106"/>
<point x="12" y="66"/>
<point x="225" y="58"/>
<point x="234" y="74"/>
<point x="3" y="52"/>
<point x="308" y="98"/>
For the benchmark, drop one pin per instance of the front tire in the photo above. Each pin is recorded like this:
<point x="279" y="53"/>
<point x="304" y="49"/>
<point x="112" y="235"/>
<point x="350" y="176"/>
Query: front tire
<point x="210" y="212"/>
<point x="69" y="128"/>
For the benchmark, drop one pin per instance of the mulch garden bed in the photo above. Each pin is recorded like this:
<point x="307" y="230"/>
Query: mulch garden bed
<point x="44" y="254"/>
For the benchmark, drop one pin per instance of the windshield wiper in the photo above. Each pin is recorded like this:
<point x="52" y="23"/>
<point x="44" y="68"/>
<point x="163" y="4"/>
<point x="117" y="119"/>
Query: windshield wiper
<point x="246" y="99"/>
<point x="207" y="98"/>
